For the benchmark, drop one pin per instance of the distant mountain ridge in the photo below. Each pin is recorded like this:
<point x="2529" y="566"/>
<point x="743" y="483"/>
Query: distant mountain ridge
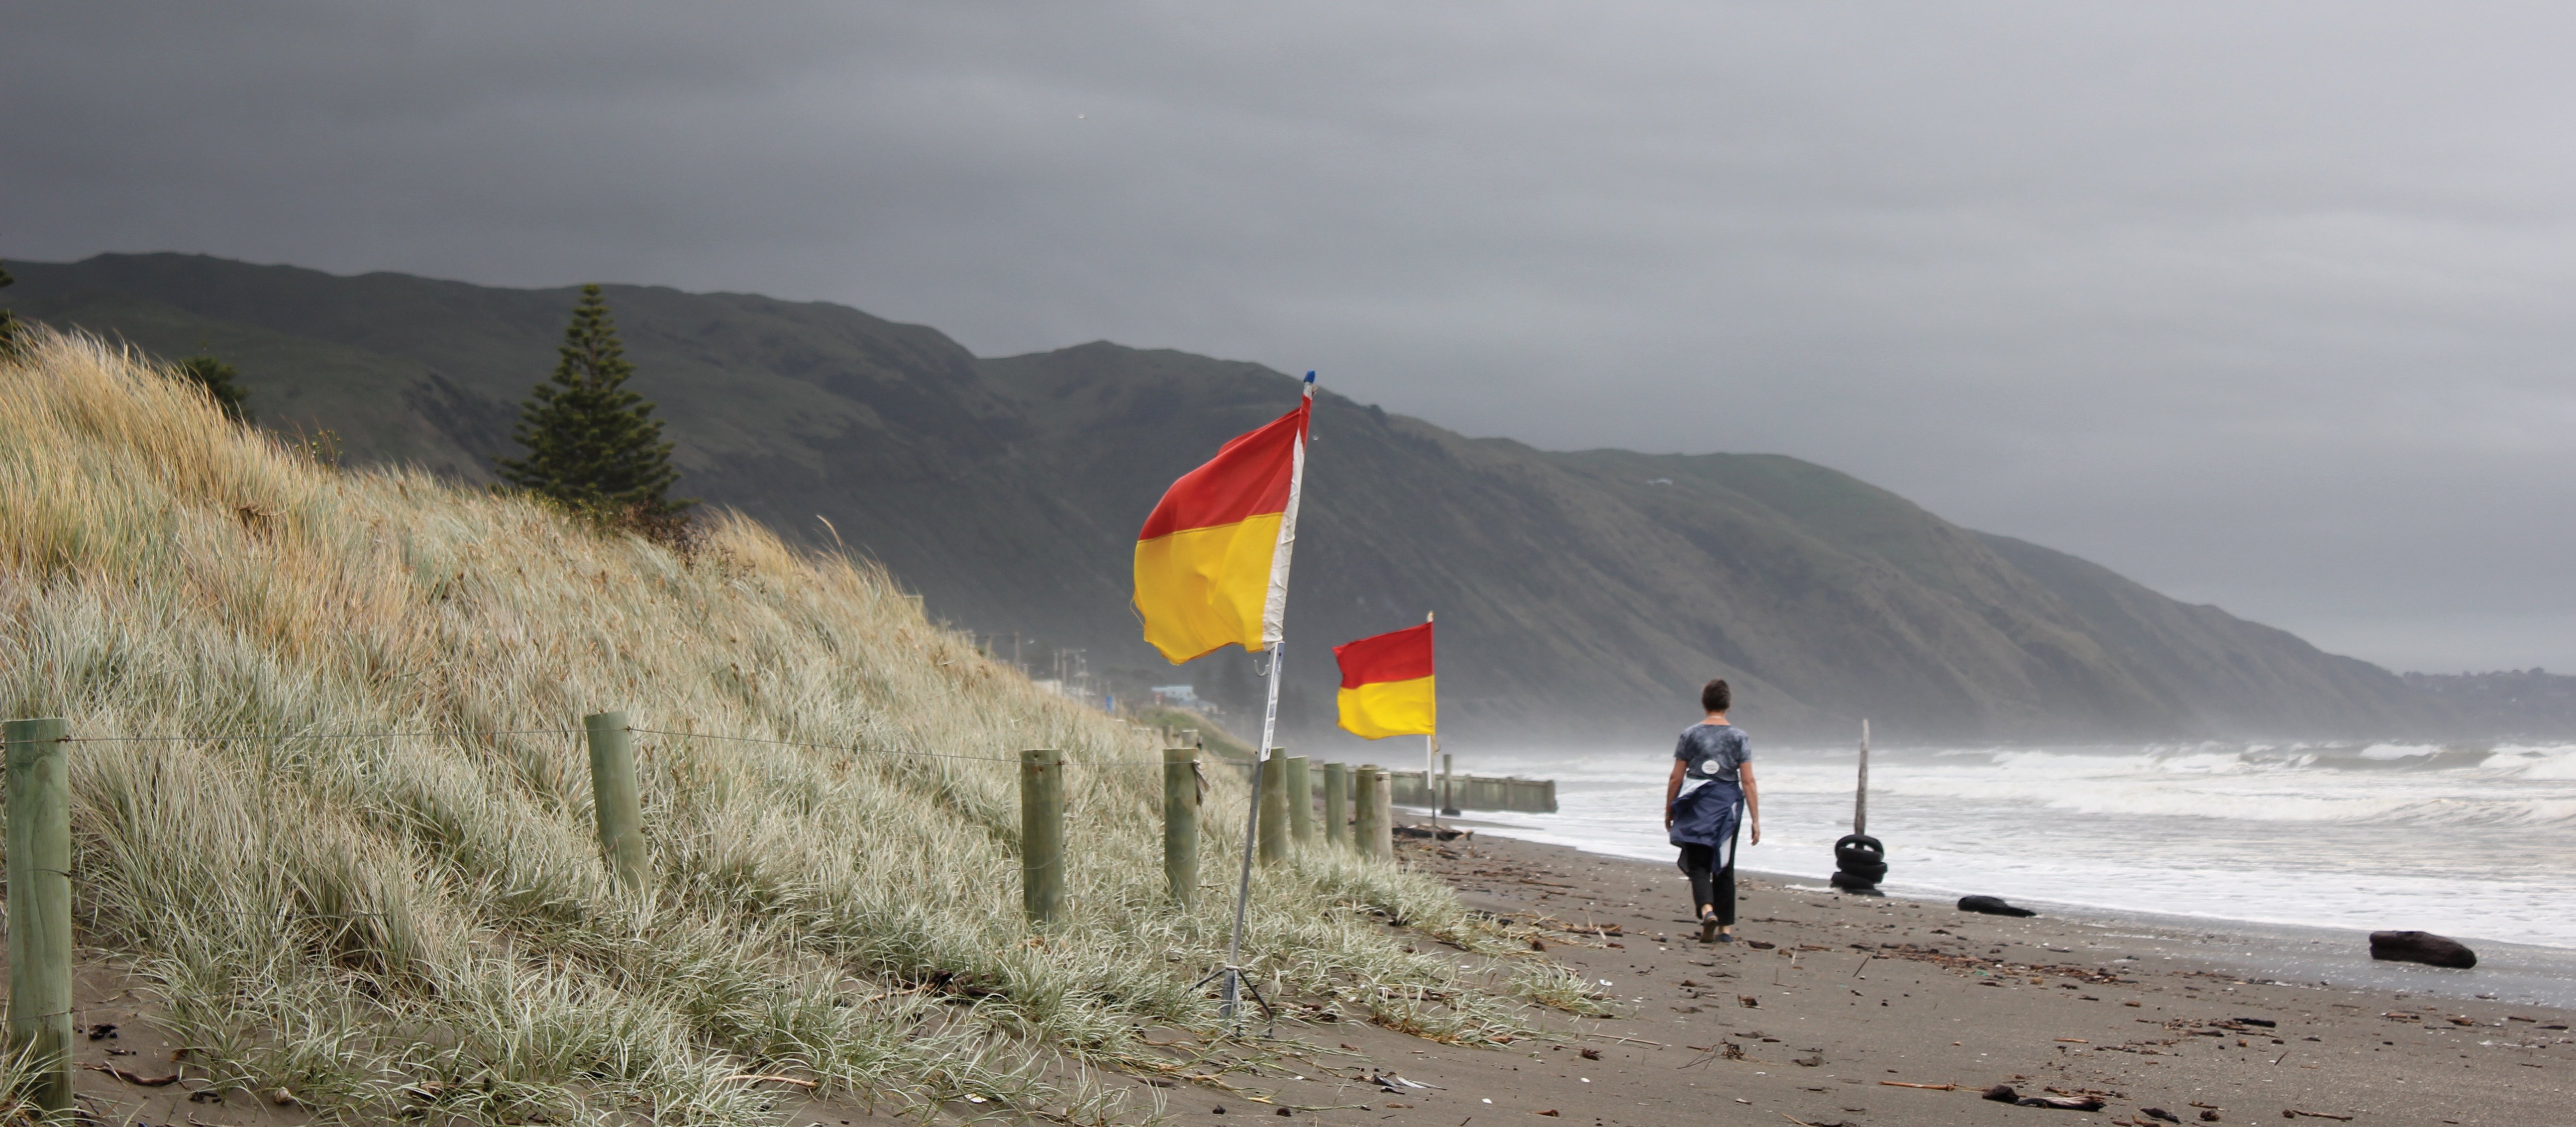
<point x="1581" y="594"/>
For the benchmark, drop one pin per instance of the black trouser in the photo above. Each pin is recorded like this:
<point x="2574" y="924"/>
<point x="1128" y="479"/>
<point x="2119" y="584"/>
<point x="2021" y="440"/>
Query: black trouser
<point x="1711" y="884"/>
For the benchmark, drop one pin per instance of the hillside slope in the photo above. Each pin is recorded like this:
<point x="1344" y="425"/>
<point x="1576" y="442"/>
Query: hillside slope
<point x="330" y="800"/>
<point x="1582" y="595"/>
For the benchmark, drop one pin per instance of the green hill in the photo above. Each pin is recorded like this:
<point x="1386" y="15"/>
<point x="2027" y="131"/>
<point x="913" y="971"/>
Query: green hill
<point x="1581" y="595"/>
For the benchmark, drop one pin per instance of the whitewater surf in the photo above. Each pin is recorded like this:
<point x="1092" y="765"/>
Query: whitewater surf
<point x="2463" y="841"/>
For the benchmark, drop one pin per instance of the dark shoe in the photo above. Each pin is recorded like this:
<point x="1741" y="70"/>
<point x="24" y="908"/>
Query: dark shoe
<point x="1708" y="931"/>
<point x="1725" y="937"/>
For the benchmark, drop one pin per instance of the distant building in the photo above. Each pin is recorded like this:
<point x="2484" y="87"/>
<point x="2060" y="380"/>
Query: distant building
<point x="1178" y="696"/>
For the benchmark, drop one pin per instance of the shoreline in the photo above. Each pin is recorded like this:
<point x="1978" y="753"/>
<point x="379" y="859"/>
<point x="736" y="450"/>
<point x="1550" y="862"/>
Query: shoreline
<point x="2523" y="973"/>
<point x="1858" y="1011"/>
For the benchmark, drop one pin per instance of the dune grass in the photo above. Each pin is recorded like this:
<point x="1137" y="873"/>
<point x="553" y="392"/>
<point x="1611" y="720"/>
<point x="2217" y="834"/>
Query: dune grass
<point x="331" y="800"/>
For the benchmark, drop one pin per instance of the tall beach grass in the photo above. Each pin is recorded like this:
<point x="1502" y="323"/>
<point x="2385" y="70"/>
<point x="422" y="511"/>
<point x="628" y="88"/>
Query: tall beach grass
<point x="332" y="802"/>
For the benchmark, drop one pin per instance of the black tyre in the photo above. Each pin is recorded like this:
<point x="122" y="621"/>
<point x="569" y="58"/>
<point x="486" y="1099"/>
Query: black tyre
<point x="1858" y="849"/>
<point x="1873" y="872"/>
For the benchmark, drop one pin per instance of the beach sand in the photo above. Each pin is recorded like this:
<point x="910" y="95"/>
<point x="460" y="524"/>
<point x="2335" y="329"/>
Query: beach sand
<point x="1857" y="1003"/>
<point x="1859" y="995"/>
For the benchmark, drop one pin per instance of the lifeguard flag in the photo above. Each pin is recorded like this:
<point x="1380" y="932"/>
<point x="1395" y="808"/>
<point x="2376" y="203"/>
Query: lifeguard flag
<point x="1387" y="685"/>
<point x="1212" y="560"/>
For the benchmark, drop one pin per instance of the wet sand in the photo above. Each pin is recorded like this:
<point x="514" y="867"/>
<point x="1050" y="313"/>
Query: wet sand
<point x="1858" y="1003"/>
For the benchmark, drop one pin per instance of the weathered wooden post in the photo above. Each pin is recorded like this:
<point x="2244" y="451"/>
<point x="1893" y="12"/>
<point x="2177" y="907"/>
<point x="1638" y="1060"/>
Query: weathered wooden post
<point x="1448" y="787"/>
<point x="1382" y="843"/>
<point x="1181" y="824"/>
<point x="1367" y="825"/>
<point x="1860" y="861"/>
<point x="40" y="908"/>
<point x="1274" y="807"/>
<point x="1337" y="804"/>
<point x="1860" y="797"/>
<point x="1301" y="802"/>
<point x="616" y="805"/>
<point x="1042" y="834"/>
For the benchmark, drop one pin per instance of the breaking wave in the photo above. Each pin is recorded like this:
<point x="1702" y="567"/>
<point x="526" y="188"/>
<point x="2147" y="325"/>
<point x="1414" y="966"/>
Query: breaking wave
<point x="2467" y="840"/>
<point x="2363" y="784"/>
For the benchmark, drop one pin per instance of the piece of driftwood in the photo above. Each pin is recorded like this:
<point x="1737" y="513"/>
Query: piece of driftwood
<point x="1991" y="906"/>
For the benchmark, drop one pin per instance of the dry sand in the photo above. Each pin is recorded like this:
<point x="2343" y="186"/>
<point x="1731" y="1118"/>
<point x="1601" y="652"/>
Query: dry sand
<point x="1857" y="995"/>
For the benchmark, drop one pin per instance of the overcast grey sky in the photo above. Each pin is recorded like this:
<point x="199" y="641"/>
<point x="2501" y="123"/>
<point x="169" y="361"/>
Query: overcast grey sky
<point x="2265" y="305"/>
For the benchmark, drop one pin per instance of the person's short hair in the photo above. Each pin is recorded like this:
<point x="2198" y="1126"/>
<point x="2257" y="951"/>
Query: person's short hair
<point x="1715" y="696"/>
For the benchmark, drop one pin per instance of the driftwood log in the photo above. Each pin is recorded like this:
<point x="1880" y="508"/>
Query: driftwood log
<point x="1991" y="906"/>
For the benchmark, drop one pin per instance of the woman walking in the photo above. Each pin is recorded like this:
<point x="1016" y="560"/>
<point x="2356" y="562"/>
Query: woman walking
<point x="1716" y="760"/>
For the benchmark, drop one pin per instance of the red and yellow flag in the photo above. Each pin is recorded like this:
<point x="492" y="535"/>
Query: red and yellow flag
<point x="1212" y="561"/>
<point x="1387" y="684"/>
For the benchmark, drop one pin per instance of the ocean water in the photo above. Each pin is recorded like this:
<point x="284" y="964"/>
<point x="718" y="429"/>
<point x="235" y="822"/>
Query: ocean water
<point x="2477" y="843"/>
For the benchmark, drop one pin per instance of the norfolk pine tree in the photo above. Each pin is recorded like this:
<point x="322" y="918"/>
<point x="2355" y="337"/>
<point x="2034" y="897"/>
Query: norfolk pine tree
<point x="591" y="444"/>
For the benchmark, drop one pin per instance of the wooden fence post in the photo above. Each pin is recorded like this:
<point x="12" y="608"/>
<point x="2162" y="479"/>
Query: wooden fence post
<point x="1382" y="844"/>
<point x="1274" y="807"/>
<point x="615" y="803"/>
<point x="40" y="907"/>
<point x="1042" y="835"/>
<point x="1181" y="824"/>
<point x="1368" y="794"/>
<point x="1301" y="802"/>
<point x="1337" y="804"/>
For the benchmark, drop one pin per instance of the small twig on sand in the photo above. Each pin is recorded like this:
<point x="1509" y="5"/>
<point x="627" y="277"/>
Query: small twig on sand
<point x="2294" y="1113"/>
<point x="1793" y="1119"/>
<point x="1926" y="1087"/>
<point x="2285" y="1055"/>
<point x="1864" y="965"/>
<point x="1628" y="1040"/>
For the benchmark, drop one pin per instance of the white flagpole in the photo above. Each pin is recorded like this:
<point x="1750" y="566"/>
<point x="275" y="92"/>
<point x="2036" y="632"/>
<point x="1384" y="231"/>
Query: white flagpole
<point x="1431" y="754"/>
<point x="1273" y="616"/>
<point x="1251" y="830"/>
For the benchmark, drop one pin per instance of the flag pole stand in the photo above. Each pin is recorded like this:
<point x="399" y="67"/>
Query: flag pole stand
<point x="1231" y="994"/>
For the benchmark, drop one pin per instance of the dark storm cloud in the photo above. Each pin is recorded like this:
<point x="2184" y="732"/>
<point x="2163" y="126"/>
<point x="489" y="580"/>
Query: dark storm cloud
<point x="2264" y="306"/>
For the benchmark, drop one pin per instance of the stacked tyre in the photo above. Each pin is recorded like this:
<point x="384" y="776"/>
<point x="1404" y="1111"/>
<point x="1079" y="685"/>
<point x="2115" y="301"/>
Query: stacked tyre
<point x="1860" y="862"/>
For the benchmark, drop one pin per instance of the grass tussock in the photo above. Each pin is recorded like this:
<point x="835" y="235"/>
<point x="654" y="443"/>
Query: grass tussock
<point x="1557" y="988"/>
<point x="399" y="906"/>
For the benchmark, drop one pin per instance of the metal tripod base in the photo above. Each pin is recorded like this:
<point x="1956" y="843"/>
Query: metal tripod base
<point x="1231" y="997"/>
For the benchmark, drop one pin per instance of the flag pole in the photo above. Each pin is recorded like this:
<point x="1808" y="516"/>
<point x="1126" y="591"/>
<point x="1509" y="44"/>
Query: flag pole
<point x="1232" y="993"/>
<point x="1431" y="760"/>
<point x="1251" y="829"/>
